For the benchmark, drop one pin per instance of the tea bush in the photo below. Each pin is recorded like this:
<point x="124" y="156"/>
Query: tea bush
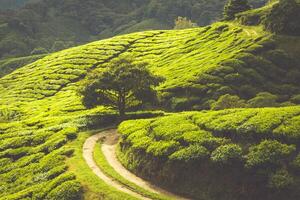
<point x="227" y="153"/>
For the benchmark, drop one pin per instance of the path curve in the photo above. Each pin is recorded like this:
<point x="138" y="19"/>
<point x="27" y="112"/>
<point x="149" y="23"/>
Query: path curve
<point x="110" y="140"/>
<point x="88" y="148"/>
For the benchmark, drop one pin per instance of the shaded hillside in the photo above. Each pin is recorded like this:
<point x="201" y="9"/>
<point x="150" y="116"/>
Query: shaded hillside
<point x="199" y="65"/>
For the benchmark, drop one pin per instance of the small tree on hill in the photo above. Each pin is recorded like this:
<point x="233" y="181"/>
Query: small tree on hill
<point x="234" y="7"/>
<point x="184" y="23"/>
<point x="121" y="85"/>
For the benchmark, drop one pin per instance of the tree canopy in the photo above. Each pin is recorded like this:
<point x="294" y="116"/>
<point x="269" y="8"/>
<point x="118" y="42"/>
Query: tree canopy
<point x="124" y="84"/>
<point x="234" y="7"/>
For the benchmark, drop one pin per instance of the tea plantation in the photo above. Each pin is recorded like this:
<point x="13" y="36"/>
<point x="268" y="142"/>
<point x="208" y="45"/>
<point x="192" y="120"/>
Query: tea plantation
<point x="41" y="114"/>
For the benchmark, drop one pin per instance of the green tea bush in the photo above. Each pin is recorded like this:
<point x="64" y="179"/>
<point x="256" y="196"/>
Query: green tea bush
<point x="162" y="148"/>
<point x="264" y="99"/>
<point x="68" y="190"/>
<point x="268" y="153"/>
<point x="228" y="101"/>
<point x="70" y="132"/>
<point x="227" y="153"/>
<point x="191" y="153"/>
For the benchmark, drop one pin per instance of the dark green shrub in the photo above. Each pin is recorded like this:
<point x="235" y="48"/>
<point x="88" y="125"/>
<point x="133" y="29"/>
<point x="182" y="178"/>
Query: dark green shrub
<point x="296" y="99"/>
<point x="296" y="162"/>
<point x="284" y="18"/>
<point x="250" y="18"/>
<point x="234" y="7"/>
<point x="228" y="101"/>
<point x="247" y="91"/>
<point x="226" y="154"/>
<point x="280" y="58"/>
<point x="281" y="179"/>
<point x="263" y="99"/>
<point x="268" y="152"/>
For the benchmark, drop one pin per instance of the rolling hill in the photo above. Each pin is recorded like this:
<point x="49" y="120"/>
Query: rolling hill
<point x="41" y="112"/>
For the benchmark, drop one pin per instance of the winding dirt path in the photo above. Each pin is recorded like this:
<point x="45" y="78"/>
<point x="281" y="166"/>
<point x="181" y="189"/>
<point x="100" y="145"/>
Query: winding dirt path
<point x="88" y="148"/>
<point x="110" y="140"/>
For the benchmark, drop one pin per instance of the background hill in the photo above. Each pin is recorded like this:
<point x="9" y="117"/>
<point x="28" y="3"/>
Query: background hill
<point x="55" y="25"/>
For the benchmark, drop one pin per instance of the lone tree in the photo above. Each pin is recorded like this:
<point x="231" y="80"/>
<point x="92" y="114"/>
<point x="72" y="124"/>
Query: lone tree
<point x="121" y="86"/>
<point x="234" y="7"/>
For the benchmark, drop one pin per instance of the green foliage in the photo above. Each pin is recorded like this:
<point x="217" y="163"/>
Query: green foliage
<point x="162" y="148"/>
<point x="8" y="114"/>
<point x="121" y="85"/>
<point x="57" y="46"/>
<point x="234" y="7"/>
<point x="296" y="99"/>
<point x="281" y="179"/>
<point x="183" y="23"/>
<point x="227" y="153"/>
<point x="9" y="65"/>
<point x="268" y="153"/>
<point x="190" y="153"/>
<point x="283" y="18"/>
<point x="228" y="101"/>
<point x="70" y="132"/>
<point x="66" y="191"/>
<point x="263" y="99"/>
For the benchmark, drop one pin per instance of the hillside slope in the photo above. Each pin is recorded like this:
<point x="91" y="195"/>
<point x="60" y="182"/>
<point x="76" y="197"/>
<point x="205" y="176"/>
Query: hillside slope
<point x="41" y="111"/>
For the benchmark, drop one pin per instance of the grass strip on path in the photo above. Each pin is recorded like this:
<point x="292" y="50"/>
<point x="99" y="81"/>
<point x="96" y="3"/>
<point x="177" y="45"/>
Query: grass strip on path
<point x="110" y="171"/>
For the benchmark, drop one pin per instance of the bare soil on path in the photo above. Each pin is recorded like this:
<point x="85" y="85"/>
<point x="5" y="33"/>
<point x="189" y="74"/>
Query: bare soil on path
<point x="110" y="139"/>
<point x="88" y="148"/>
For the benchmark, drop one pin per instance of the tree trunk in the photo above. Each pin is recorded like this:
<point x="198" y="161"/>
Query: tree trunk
<point x="122" y="112"/>
<point x="122" y="108"/>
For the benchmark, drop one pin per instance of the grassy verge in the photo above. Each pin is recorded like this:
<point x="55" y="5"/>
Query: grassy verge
<point x="94" y="188"/>
<point x="109" y="171"/>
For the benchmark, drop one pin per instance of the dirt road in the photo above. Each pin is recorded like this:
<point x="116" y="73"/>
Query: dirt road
<point x="110" y="139"/>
